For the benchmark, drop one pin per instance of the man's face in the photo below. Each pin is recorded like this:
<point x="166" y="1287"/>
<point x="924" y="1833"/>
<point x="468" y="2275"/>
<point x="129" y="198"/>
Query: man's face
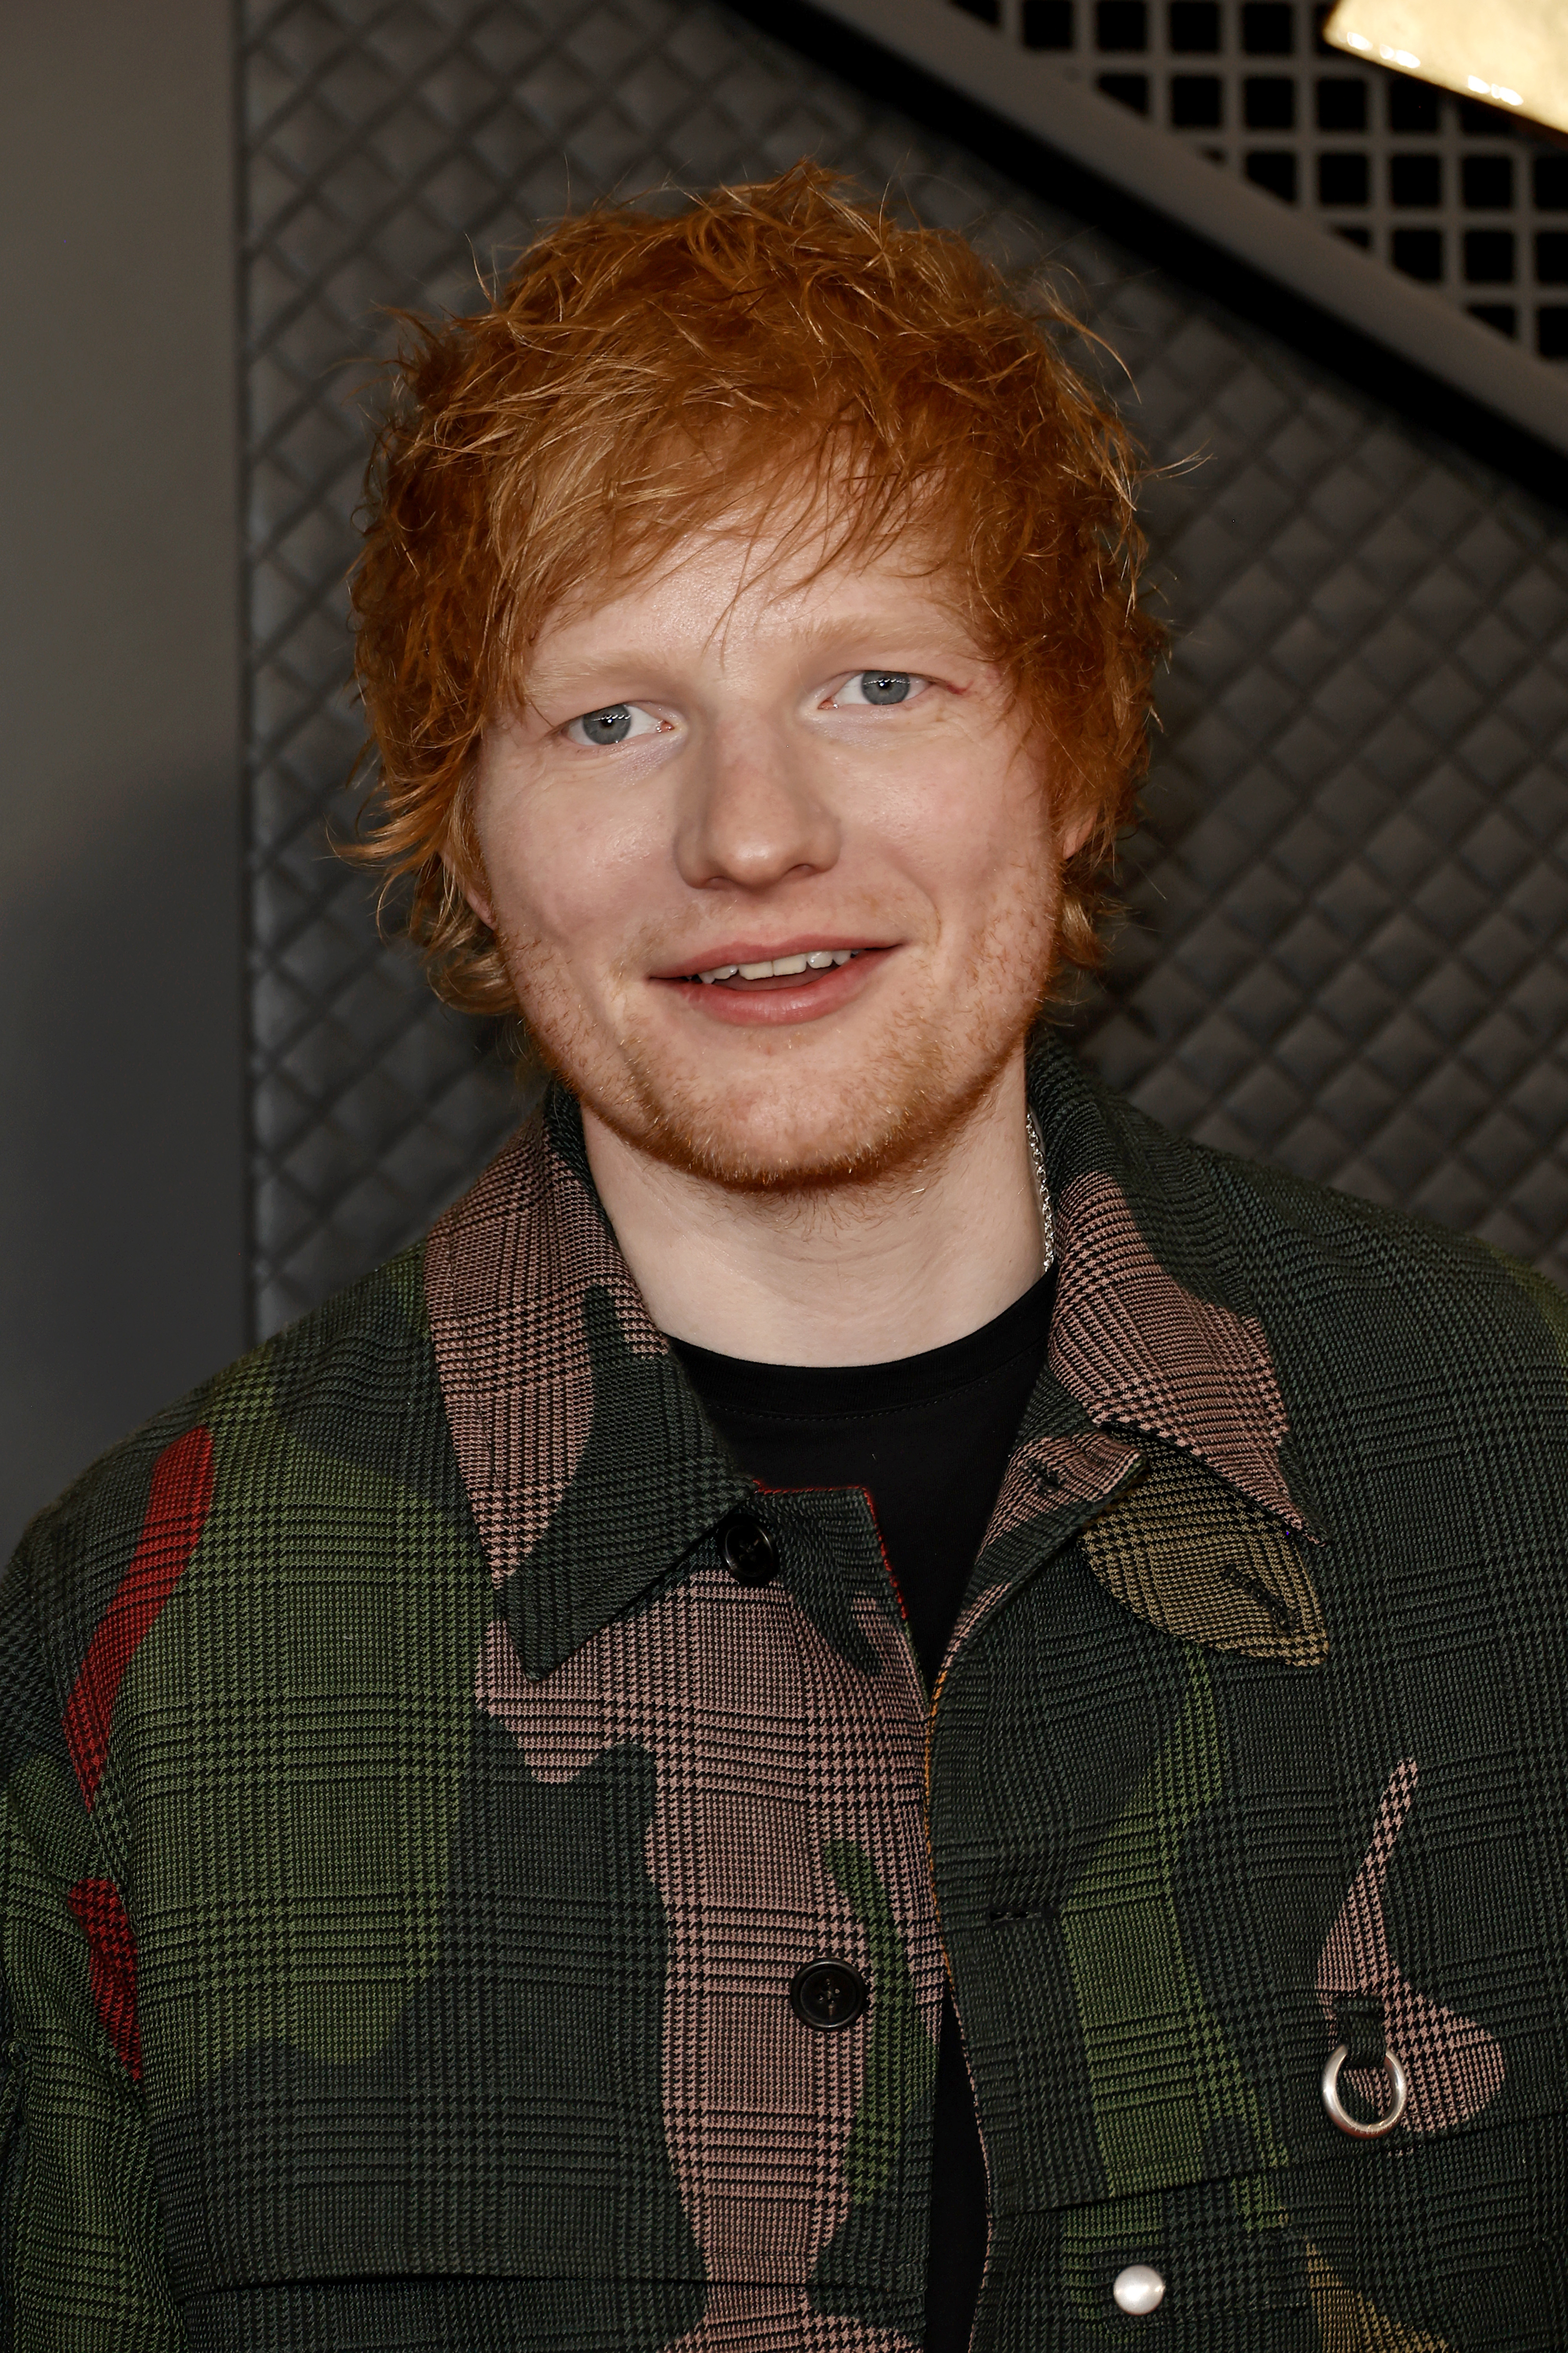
<point x="722" y="768"/>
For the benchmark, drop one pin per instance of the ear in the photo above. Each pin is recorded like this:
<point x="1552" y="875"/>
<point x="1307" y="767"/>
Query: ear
<point x="1072" y="817"/>
<point x="1073" y="831"/>
<point x="472" y="887"/>
<point x="464" y="861"/>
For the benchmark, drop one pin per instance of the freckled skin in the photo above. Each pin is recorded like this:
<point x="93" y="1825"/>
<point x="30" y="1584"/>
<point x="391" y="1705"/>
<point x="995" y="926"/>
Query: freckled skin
<point x="758" y="801"/>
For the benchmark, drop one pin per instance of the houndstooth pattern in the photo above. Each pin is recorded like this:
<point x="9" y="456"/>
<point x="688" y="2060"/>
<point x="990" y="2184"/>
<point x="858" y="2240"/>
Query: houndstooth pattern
<point x="1348" y="900"/>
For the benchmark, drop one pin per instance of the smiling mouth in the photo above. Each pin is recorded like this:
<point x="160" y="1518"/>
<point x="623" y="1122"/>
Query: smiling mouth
<point x="808" y="965"/>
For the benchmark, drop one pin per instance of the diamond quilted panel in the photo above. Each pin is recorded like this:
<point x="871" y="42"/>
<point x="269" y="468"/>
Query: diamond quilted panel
<point x="1348" y="905"/>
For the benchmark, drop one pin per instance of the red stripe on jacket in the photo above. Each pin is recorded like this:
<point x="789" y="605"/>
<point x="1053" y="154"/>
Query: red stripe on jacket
<point x="177" y="1513"/>
<point x="111" y="1964"/>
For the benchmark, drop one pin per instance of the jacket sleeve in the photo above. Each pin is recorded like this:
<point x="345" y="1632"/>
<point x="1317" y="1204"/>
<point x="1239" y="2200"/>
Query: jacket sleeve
<point x="82" y="2262"/>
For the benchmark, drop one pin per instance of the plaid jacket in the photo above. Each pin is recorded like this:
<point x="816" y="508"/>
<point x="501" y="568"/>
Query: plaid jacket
<point x="412" y="1830"/>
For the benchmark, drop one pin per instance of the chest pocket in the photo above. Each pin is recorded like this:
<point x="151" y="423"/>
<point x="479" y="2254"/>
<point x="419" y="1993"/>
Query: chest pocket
<point x="1219" y="2266"/>
<point x="1218" y="1951"/>
<point x="1187" y="1554"/>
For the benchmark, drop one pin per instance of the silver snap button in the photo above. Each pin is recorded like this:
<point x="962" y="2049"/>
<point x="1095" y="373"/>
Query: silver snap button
<point x="1139" y="2288"/>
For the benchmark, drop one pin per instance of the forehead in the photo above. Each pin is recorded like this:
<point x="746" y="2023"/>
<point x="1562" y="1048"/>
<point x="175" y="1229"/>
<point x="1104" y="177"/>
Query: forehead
<point x="800" y="579"/>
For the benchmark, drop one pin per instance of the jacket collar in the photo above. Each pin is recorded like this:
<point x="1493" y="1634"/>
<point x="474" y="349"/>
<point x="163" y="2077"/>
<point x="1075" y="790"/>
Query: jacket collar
<point x="589" y="1462"/>
<point x="587" y="1459"/>
<point x="1154" y="1327"/>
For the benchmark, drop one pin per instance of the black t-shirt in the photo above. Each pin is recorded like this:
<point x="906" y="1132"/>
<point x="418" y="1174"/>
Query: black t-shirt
<point x="929" y="1437"/>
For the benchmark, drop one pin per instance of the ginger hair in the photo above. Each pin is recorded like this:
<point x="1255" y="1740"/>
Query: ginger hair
<point x="638" y="376"/>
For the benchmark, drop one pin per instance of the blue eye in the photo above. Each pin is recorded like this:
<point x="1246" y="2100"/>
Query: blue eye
<point x="878" y="686"/>
<point x="611" y="726"/>
<point x="616" y="723"/>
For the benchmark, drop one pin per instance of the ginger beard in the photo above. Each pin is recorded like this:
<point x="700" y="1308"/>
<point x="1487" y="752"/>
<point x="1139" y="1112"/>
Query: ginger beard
<point x="796" y="1122"/>
<point x="760" y="804"/>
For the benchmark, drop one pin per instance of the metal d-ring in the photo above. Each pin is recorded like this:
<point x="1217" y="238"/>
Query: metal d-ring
<point x="1399" y="2092"/>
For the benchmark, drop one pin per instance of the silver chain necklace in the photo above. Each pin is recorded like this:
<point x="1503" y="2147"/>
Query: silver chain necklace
<point x="1042" y="1195"/>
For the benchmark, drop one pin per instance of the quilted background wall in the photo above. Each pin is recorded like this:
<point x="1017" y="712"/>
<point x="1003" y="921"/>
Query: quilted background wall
<point x="1349" y="898"/>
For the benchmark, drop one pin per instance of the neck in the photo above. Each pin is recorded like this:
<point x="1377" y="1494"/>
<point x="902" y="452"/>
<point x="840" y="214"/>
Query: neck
<point x="860" y="1276"/>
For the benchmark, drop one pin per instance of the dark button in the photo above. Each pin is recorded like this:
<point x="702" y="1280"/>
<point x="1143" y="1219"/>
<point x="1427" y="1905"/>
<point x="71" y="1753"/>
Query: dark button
<point x="828" y="1994"/>
<point x="748" y="1550"/>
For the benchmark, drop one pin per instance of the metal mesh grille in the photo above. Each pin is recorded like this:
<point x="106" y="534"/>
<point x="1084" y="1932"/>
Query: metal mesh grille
<point x="1351" y="895"/>
<point x="1451" y="191"/>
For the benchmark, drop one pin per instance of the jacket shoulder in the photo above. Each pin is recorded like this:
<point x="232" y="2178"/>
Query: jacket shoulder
<point x="1299" y="1222"/>
<point x="348" y="1395"/>
<point x="1263" y="1241"/>
<point x="1303" y="1250"/>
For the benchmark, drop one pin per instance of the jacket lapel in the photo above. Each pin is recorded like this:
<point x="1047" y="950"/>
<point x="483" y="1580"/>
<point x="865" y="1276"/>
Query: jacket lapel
<point x="1154" y="1329"/>
<point x="589" y="1461"/>
<point x="1196" y="1529"/>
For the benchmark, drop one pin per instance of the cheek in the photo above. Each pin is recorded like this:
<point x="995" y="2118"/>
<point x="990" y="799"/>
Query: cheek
<point x="973" y="831"/>
<point x="566" y="870"/>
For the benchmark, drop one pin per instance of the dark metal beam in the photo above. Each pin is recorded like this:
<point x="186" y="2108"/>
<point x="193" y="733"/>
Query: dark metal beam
<point x="1021" y="113"/>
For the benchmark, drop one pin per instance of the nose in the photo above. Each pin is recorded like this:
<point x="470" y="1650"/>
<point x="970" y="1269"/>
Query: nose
<point x="752" y="814"/>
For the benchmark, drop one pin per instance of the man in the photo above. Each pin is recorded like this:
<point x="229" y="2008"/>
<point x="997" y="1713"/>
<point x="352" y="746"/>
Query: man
<point x="865" y="1669"/>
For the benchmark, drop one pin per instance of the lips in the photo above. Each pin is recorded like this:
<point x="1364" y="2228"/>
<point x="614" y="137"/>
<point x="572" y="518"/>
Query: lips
<point x="741" y="964"/>
<point x="784" y="967"/>
<point x="750" y="984"/>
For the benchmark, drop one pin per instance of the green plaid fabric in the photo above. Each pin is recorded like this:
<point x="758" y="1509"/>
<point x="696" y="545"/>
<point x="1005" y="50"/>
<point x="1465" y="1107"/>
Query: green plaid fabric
<point x="412" y="1831"/>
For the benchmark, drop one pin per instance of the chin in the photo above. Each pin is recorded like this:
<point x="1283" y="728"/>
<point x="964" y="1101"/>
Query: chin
<point x="808" y="1115"/>
<point x="794" y="1134"/>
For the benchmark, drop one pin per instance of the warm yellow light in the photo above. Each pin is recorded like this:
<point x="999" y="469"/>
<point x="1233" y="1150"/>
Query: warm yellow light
<point x="1512" y="53"/>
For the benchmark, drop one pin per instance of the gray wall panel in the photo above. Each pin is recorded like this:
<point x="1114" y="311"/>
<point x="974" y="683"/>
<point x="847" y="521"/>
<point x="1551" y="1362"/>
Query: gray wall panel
<point x="1351" y="898"/>
<point x="123" y="1160"/>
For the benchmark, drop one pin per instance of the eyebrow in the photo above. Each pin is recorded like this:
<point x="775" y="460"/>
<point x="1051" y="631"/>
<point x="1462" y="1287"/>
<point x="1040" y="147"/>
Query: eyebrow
<point x="868" y="625"/>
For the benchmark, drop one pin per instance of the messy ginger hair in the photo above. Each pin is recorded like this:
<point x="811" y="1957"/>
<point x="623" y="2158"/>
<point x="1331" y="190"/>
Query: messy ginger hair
<point x="640" y="377"/>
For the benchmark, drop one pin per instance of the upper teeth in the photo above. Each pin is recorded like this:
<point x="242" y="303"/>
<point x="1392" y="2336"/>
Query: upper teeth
<point x="780" y="967"/>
